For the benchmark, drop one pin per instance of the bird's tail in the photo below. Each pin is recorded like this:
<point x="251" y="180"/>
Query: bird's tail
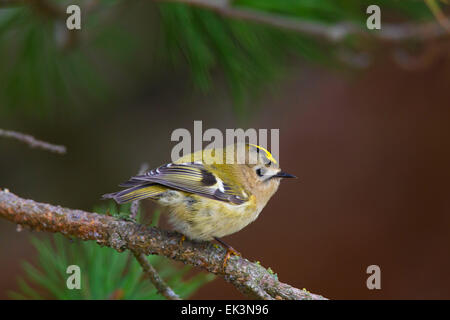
<point x="147" y="190"/>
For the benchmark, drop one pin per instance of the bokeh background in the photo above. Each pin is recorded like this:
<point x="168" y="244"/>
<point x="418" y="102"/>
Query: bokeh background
<point x="367" y="135"/>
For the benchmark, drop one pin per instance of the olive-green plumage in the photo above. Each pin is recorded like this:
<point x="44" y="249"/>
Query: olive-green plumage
<point x="208" y="198"/>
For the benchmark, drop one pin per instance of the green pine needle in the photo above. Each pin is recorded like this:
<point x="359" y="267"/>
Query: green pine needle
<point x="105" y="273"/>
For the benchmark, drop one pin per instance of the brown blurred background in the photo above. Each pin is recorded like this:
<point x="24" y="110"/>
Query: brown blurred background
<point x="371" y="151"/>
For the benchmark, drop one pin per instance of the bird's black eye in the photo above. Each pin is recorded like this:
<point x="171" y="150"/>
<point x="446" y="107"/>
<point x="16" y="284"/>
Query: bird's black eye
<point x="269" y="163"/>
<point x="259" y="172"/>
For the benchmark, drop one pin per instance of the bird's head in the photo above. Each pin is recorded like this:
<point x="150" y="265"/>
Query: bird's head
<point x="264" y="165"/>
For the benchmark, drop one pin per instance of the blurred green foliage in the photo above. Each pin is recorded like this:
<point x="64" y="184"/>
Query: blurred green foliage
<point x="105" y="273"/>
<point x="37" y="76"/>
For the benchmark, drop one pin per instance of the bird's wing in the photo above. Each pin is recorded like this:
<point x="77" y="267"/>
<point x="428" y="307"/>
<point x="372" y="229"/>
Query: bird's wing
<point x="190" y="177"/>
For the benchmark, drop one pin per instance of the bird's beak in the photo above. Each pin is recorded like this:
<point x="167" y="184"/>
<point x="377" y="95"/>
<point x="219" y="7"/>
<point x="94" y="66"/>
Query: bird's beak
<point x="282" y="174"/>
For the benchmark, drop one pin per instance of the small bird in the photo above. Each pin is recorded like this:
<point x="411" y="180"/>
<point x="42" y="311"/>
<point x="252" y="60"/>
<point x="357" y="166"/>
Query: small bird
<point x="209" y="199"/>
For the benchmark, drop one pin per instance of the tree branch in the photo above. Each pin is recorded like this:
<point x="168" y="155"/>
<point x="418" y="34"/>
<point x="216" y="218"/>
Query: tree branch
<point x="389" y="32"/>
<point x="250" y="278"/>
<point x="32" y="142"/>
<point x="154" y="277"/>
<point x="439" y="15"/>
<point x="334" y="33"/>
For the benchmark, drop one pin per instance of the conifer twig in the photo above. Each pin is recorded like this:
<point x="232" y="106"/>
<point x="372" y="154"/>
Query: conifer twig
<point x="155" y="278"/>
<point x="388" y="32"/>
<point x="439" y="15"/>
<point x="250" y="278"/>
<point x="32" y="142"/>
<point x="150" y="272"/>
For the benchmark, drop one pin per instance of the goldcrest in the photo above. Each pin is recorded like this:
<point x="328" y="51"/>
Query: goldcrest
<point x="209" y="199"/>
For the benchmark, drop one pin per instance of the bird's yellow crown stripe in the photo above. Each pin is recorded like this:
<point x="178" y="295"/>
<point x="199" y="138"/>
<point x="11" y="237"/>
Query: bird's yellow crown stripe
<point x="268" y="154"/>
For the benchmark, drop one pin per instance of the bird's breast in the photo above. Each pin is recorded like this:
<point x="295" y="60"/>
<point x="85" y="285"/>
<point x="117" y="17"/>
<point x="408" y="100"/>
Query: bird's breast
<point x="203" y="219"/>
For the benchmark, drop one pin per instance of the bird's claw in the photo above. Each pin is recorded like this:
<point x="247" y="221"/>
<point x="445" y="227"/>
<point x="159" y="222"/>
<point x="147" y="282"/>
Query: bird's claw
<point x="183" y="237"/>
<point x="230" y="251"/>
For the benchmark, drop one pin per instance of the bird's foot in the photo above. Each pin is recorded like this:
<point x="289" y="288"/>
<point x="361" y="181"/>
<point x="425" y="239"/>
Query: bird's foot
<point x="183" y="237"/>
<point x="230" y="251"/>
